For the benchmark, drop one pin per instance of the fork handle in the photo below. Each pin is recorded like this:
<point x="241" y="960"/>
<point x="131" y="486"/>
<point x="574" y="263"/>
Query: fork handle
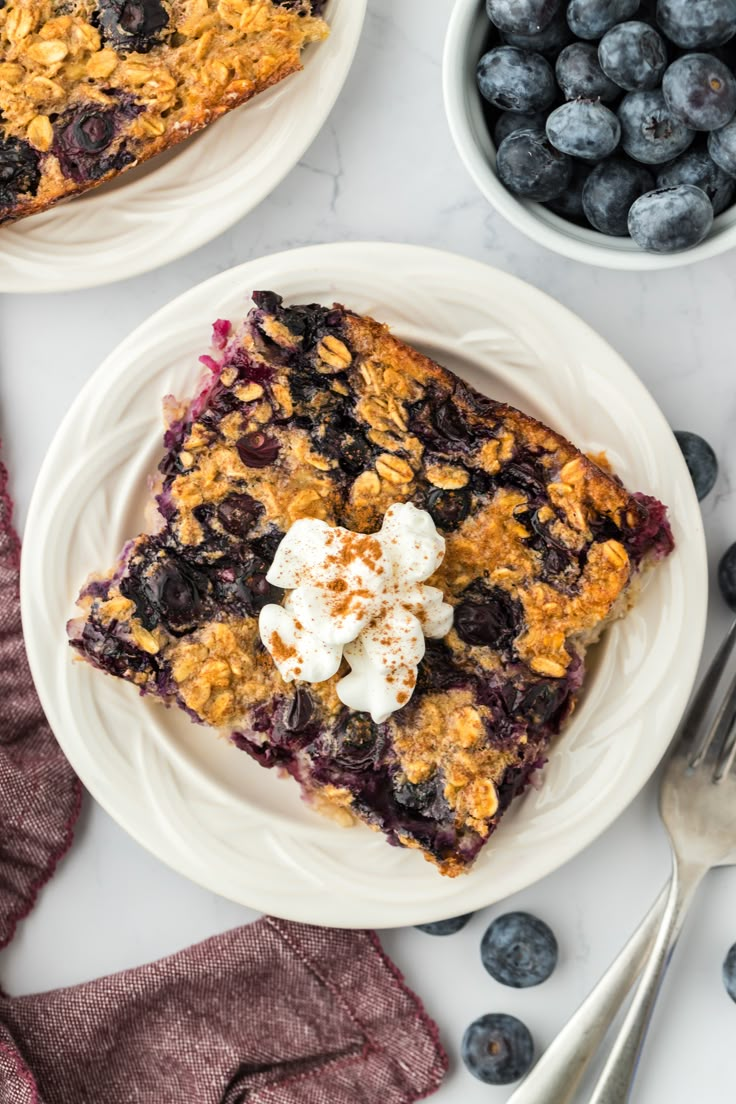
<point x="558" y="1072"/>
<point x="617" y="1077"/>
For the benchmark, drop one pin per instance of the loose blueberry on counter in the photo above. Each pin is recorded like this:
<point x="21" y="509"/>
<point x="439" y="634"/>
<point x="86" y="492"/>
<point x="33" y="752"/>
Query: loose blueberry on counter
<point x="19" y="171"/>
<point x="633" y="55"/>
<point x="669" y="220"/>
<point x="580" y="76"/>
<point x="498" y="1049"/>
<point x="548" y="42"/>
<point x="727" y="576"/>
<point x="509" y="121"/>
<point x="516" y="80"/>
<point x="585" y="129"/>
<point x="592" y="18"/>
<point x="445" y="927"/>
<point x="696" y="167"/>
<point x="522" y="16"/>
<point x="729" y="970"/>
<point x="722" y="147"/>
<point x="695" y="24"/>
<point x="701" y="461"/>
<point x="649" y="131"/>
<point x="700" y="91"/>
<point x="519" y="950"/>
<point x="570" y="203"/>
<point x="609" y="193"/>
<point x="529" y="166"/>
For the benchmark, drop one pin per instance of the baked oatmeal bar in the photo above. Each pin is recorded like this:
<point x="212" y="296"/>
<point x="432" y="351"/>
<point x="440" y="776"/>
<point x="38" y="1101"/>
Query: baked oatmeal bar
<point x="312" y="412"/>
<point x="89" y="88"/>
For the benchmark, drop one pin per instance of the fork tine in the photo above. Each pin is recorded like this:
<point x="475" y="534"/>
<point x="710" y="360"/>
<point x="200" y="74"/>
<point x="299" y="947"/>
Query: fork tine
<point x="719" y="726"/>
<point x="728" y="748"/>
<point x="693" y="718"/>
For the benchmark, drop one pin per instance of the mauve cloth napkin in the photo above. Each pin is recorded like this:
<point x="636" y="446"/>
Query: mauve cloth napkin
<point x="271" y="1013"/>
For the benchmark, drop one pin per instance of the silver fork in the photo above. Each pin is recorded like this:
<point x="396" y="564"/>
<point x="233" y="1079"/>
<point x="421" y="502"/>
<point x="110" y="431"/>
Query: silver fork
<point x="697" y="804"/>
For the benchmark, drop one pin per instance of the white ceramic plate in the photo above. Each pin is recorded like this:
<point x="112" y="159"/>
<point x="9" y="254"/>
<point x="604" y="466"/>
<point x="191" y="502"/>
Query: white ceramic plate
<point x="178" y="201"/>
<point x="209" y="810"/>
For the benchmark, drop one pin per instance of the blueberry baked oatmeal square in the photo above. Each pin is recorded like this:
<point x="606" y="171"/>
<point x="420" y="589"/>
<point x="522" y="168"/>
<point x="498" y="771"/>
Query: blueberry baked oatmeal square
<point x="90" y="88"/>
<point x="369" y="576"/>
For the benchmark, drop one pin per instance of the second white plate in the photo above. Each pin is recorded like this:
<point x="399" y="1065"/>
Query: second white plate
<point x="178" y="201"/>
<point x="210" y="811"/>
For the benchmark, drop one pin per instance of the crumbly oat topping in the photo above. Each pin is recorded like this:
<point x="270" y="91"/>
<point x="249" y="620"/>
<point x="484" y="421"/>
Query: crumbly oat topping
<point x="316" y="413"/>
<point x="89" y="88"/>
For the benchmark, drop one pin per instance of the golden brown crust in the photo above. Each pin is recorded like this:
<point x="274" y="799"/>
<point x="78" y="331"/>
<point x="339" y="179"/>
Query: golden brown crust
<point x="223" y="54"/>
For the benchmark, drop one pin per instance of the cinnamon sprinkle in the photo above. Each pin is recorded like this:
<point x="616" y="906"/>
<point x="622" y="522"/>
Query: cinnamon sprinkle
<point x="280" y="650"/>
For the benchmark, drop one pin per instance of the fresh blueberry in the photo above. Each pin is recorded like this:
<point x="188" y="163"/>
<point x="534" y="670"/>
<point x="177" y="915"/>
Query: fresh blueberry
<point x="19" y="171"/>
<point x="727" y="576"/>
<point x="592" y="18"/>
<point x="722" y="147"/>
<point x="445" y="927"/>
<point x="633" y="55"/>
<point x="697" y="24"/>
<point x="701" y="461"/>
<point x="729" y="968"/>
<point x="580" y="76"/>
<point x="509" y="121"/>
<point x="695" y="166"/>
<point x="498" y="1049"/>
<point x="585" y="129"/>
<point x="570" y="203"/>
<point x="700" y="91"/>
<point x="522" y="16"/>
<point x="549" y="42"/>
<point x="609" y="192"/>
<point x="519" y="950"/>
<point x="516" y="80"/>
<point x="529" y="166"/>
<point x="649" y="131"/>
<point x="669" y="220"/>
<point x="137" y="25"/>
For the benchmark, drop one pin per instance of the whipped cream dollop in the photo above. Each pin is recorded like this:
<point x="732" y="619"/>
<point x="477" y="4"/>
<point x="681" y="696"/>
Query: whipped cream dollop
<point x="360" y="596"/>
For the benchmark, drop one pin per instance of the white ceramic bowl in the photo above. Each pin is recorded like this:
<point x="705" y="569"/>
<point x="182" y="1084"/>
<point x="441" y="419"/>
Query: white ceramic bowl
<point x="466" y="36"/>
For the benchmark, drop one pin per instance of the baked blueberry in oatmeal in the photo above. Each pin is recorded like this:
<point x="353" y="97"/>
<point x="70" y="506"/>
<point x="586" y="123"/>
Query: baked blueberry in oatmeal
<point x="314" y="420"/>
<point x="89" y="88"/>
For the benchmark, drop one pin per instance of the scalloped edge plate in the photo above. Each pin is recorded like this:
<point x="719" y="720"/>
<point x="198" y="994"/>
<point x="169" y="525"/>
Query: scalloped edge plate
<point x="178" y="201"/>
<point x="210" y="811"/>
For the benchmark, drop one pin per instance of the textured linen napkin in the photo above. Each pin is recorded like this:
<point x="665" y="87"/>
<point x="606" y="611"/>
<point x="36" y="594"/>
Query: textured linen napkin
<point x="271" y="1013"/>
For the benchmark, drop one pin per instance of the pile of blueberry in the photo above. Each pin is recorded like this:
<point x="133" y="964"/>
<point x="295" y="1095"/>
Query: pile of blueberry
<point x="618" y="114"/>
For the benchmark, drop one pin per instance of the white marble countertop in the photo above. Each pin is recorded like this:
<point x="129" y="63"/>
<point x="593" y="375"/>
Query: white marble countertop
<point x="384" y="168"/>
